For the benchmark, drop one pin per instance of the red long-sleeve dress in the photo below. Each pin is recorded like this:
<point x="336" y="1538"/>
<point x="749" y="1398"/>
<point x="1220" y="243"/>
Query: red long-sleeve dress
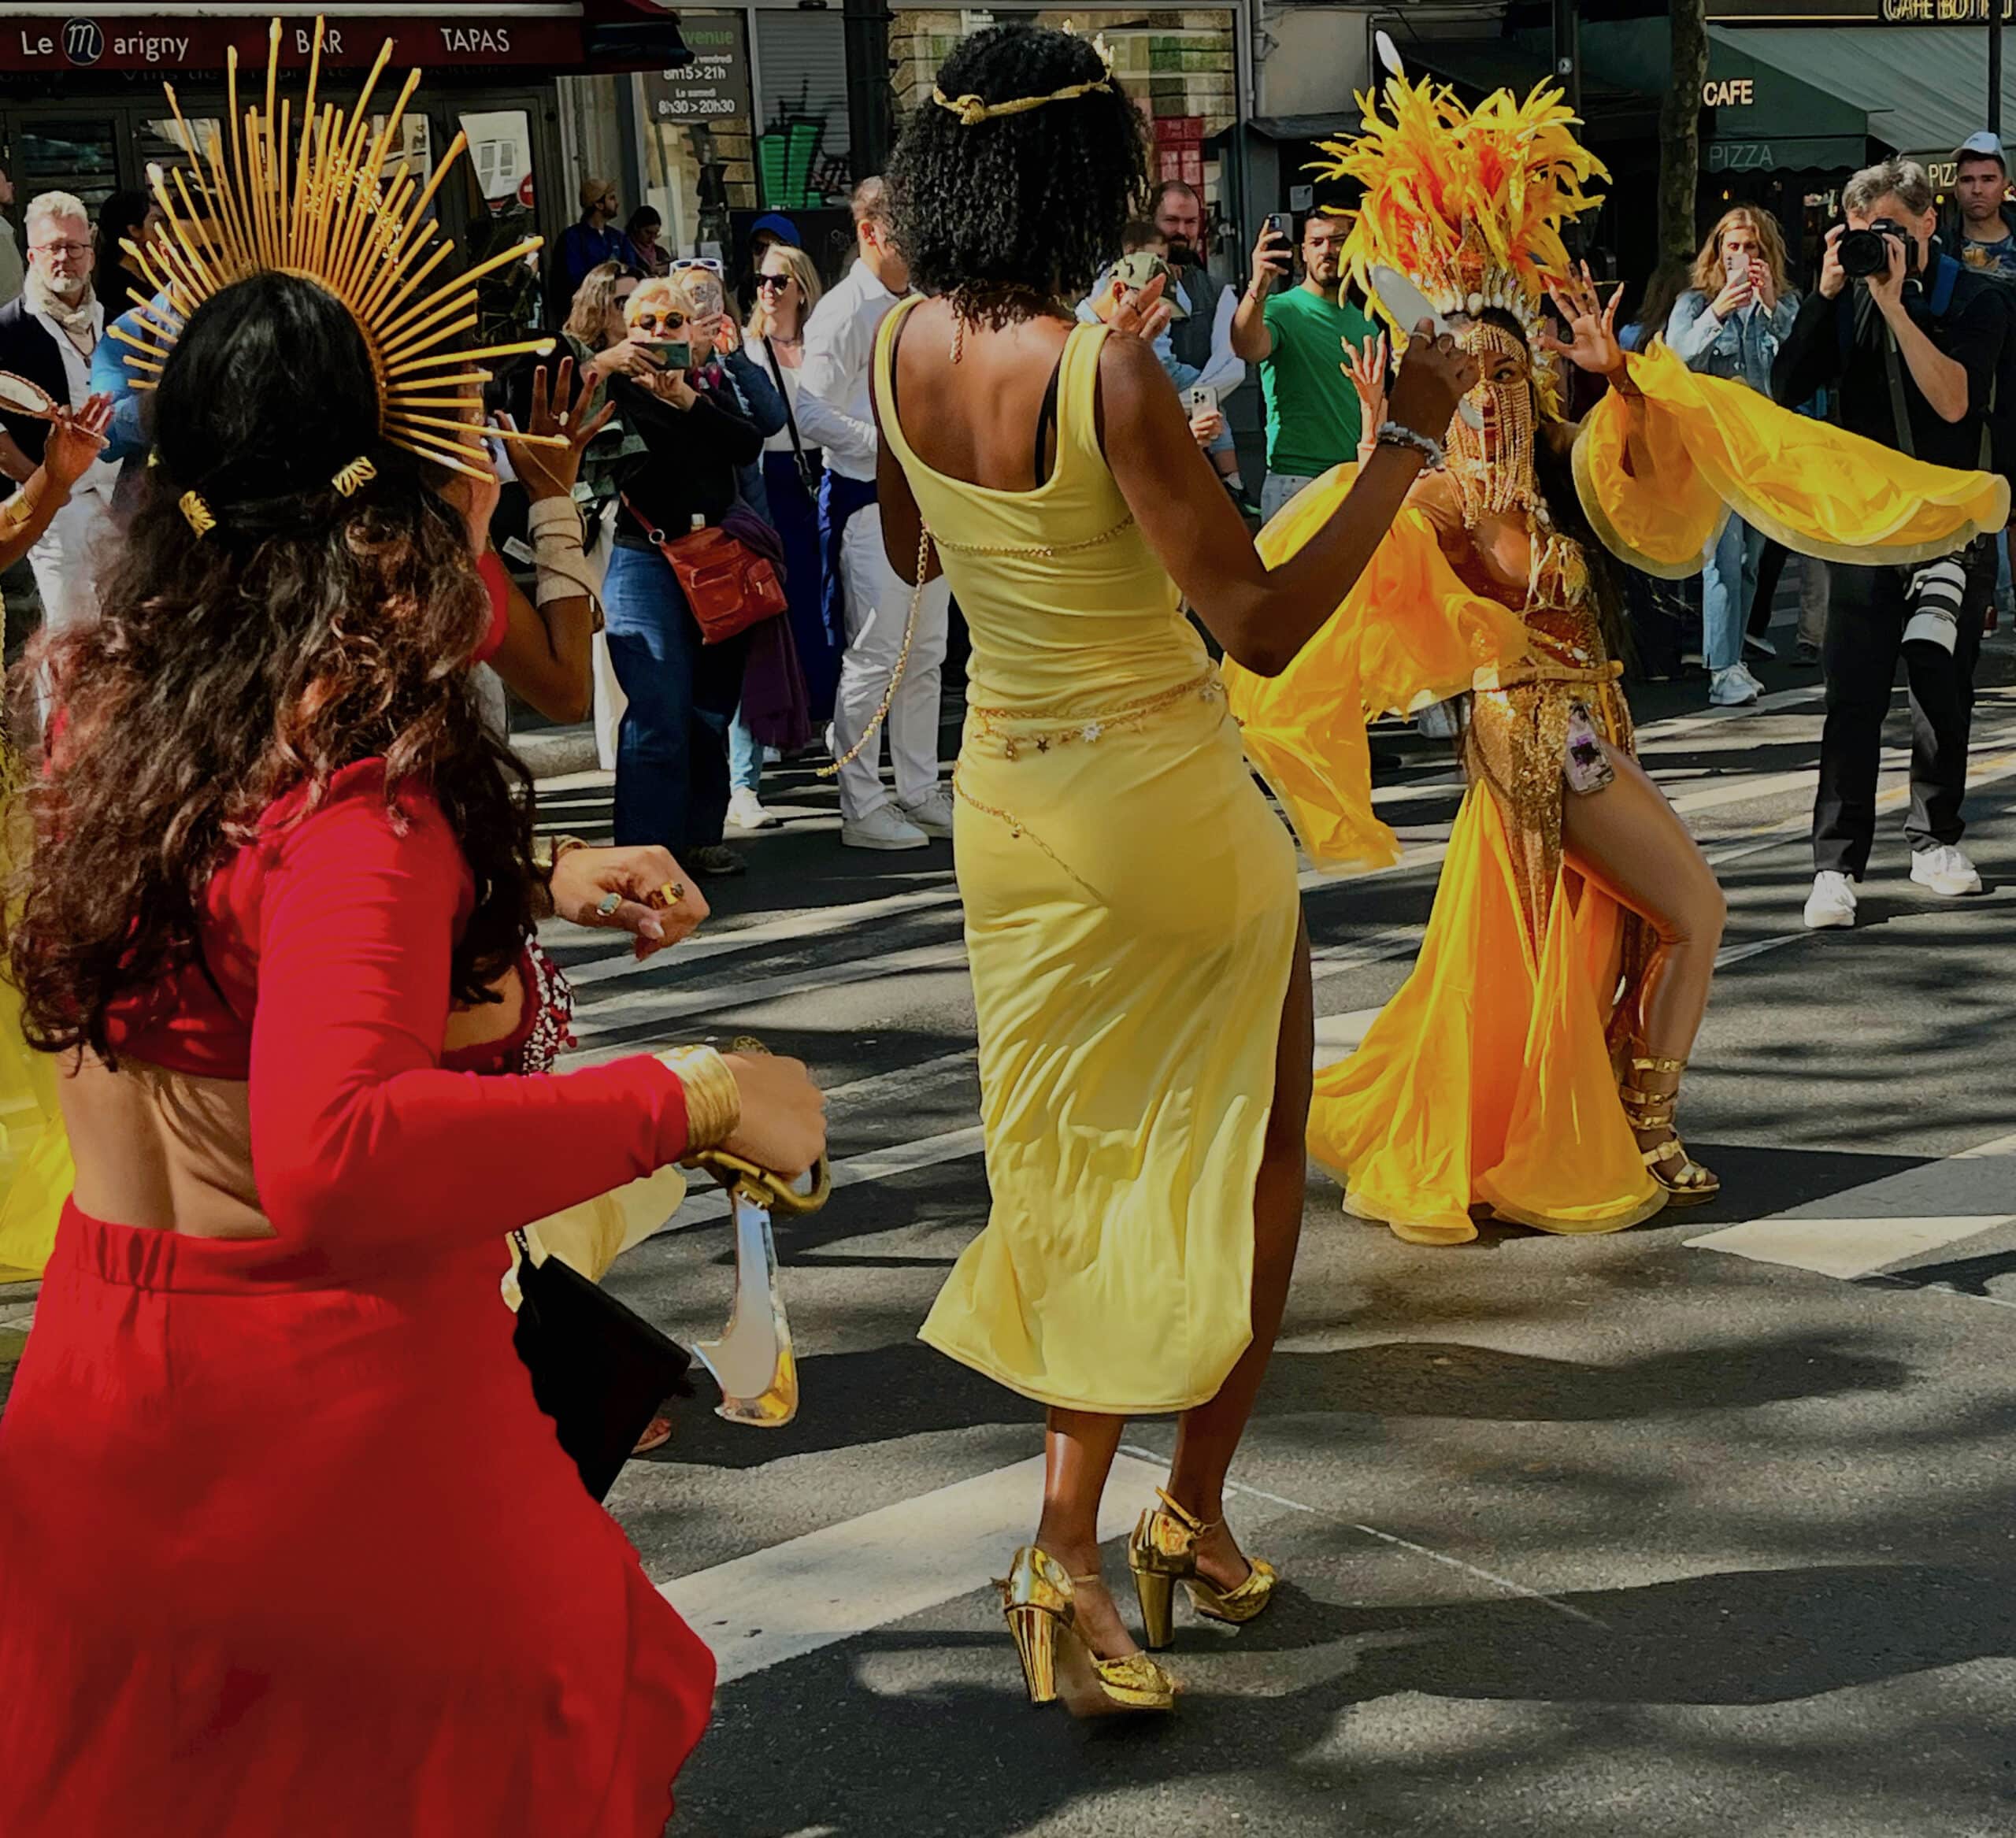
<point x="285" y="1545"/>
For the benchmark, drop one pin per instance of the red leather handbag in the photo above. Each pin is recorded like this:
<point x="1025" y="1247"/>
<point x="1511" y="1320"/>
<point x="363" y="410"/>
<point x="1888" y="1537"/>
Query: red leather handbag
<point x="729" y="586"/>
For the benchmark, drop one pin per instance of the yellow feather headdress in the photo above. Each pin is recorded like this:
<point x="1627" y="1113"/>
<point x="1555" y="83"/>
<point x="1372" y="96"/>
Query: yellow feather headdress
<point x="325" y="206"/>
<point x="1468" y="204"/>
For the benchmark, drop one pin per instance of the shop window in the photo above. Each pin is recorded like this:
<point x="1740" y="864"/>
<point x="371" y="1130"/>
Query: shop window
<point x="1177" y="66"/>
<point x="498" y="210"/>
<point x="700" y="148"/>
<point x="72" y="154"/>
<point x="803" y="152"/>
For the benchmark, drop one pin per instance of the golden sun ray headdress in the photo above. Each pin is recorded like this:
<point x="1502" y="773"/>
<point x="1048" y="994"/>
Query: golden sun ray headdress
<point x="333" y="205"/>
<point x="1468" y="204"/>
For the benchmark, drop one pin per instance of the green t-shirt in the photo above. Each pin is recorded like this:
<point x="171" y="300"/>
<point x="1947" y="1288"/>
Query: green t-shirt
<point x="1312" y="409"/>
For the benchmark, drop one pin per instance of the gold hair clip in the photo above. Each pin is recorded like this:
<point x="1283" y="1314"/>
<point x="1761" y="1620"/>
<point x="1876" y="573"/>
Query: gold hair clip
<point x="972" y="111"/>
<point x="359" y="472"/>
<point x="197" y="513"/>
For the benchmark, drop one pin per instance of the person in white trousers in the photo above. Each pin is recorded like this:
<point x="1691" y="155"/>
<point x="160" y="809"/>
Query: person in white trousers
<point x="869" y="599"/>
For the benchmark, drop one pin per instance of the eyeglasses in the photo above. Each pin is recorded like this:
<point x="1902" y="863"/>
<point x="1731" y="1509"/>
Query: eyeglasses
<point x="72" y="250"/>
<point x="706" y="262"/>
<point x="766" y="283"/>
<point x="661" y="321"/>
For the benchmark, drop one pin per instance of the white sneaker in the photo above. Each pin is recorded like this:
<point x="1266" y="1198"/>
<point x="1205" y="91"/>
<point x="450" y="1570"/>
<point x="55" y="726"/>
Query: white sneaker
<point x="1733" y="688"/>
<point x="745" y="811"/>
<point x="884" y="827"/>
<point x="1751" y="677"/>
<point x="1945" y="870"/>
<point x="933" y="813"/>
<point x="1832" y="902"/>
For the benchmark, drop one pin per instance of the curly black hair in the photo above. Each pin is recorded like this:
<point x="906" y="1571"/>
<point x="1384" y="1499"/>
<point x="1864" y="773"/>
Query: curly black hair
<point x="1020" y="210"/>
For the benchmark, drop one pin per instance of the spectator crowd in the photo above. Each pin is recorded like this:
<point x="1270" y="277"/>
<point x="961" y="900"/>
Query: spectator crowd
<point x="747" y="442"/>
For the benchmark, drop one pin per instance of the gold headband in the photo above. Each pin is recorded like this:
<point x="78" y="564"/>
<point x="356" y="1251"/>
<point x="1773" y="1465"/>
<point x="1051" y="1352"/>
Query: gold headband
<point x="971" y="110"/>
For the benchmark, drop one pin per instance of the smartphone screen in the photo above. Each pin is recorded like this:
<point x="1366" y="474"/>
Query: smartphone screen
<point x="674" y="355"/>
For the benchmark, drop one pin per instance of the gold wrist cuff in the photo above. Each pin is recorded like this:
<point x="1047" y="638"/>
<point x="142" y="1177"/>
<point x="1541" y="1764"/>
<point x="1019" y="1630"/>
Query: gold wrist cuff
<point x="547" y="851"/>
<point x="713" y="1100"/>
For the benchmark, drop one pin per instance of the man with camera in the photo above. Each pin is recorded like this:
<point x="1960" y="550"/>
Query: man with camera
<point x="1910" y="340"/>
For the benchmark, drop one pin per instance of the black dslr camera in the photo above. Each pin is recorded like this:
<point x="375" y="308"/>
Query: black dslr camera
<point x="1863" y="253"/>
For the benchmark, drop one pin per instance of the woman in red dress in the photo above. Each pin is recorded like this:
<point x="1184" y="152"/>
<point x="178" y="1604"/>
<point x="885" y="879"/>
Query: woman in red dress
<point x="257" y="1574"/>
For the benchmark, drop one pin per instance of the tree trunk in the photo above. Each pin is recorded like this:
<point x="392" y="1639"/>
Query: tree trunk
<point x="1680" y="131"/>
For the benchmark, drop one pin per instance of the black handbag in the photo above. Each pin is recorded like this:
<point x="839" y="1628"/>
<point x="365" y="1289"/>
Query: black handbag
<point x="599" y="1370"/>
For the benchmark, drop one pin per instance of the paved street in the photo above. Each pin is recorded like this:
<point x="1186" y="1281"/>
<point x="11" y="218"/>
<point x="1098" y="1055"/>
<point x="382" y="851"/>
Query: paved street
<point x="1701" y="1528"/>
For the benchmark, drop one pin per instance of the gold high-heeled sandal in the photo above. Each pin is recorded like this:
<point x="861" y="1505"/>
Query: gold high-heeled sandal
<point x="1038" y="1602"/>
<point x="1688" y="1183"/>
<point x="1163" y="1552"/>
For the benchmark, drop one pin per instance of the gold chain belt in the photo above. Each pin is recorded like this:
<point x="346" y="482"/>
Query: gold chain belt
<point x="1516" y="675"/>
<point x="1037" y="551"/>
<point x="1052" y="729"/>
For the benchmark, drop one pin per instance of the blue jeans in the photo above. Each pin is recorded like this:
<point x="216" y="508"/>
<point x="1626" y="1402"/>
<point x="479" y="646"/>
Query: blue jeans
<point x="1729" y="583"/>
<point x="671" y="751"/>
<point x="745" y="758"/>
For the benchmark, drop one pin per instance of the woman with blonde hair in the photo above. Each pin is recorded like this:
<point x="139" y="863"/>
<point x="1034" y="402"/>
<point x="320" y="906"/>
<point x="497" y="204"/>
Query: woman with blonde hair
<point x="1730" y="322"/>
<point x="787" y="289"/>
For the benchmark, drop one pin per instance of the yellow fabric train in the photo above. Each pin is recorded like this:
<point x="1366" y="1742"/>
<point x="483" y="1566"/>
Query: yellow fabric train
<point x="1488" y="1081"/>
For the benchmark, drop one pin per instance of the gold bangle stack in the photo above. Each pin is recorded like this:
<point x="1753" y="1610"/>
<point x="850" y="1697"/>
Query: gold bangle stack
<point x="713" y="1100"/>
<point x="547" y="850"/>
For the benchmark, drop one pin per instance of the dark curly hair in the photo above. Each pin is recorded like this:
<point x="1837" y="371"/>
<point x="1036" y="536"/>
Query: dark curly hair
<point x="307" y="631"/>
<point x="1022" y="209"/>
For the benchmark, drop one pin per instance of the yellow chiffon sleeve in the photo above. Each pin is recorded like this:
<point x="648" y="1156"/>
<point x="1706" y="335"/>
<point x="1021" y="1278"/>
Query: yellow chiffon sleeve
<point x="1716" y="447"/>
<point x="1409" y="633"/>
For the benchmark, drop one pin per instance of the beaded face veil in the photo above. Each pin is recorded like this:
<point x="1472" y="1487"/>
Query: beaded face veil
<point x="1470" y="207"/>
<point x="334" y="203"/>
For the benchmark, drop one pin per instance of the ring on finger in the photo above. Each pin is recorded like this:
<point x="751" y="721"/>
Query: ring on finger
<point x="669" y="895"/>
<point x="605" y="906"/>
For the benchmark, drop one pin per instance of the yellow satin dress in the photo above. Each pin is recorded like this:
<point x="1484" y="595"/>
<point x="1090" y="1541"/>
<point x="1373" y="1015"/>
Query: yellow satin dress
<point x="1130" y="915"/>
<point x="1487" y="1083"/>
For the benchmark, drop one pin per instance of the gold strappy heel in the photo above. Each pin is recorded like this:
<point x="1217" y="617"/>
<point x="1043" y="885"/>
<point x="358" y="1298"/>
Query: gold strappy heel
<point x="1038" y="1603"/>
<point x="1163" y="1552"/>
<point x="1688" y="1184"/>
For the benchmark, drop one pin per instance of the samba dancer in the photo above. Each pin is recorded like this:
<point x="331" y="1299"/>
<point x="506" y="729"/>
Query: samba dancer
<point x="273" y="843"/>
<point x="1139" y="972"/>
<point x="1576" y="922"/>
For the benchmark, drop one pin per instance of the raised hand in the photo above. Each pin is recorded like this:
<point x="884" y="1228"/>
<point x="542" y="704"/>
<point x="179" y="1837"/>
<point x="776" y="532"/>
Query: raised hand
<point x="1143" y="315"/>
<point x="1593" y="346"/>
<point x="1365" y="365"/>
<point x="1436" y="374"/>
<point x="75" y="441"/>
<point x="549" y="472"/>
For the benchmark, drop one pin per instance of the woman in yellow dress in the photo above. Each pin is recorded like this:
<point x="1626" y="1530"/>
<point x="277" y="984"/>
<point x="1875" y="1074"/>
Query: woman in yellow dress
<point x="1131" y="912"/>
<point x="35" y="1158"/>
<point x="1530" y="1065"/>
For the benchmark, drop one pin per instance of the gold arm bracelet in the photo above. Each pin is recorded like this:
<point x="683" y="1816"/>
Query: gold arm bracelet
<point x="547" y="851"/>
<point x="713" y="1100"/>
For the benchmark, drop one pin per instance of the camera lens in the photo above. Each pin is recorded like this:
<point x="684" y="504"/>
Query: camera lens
<point x="1863" y="253"/>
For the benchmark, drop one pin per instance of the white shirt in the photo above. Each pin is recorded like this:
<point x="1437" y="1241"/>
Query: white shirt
<point x="103" y="474"/>
<point x="833" y="406"/>
<point x="781" y="441"/>
<point x="1226" y="371"/>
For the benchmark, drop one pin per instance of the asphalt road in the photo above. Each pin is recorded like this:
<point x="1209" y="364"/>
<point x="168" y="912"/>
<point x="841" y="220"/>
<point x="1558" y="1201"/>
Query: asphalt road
<point x="1620" y="1536"/>
<point x="1701" y="1528"/>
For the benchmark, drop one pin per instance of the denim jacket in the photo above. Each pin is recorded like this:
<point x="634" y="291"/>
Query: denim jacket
<point x="1742" y="347"/>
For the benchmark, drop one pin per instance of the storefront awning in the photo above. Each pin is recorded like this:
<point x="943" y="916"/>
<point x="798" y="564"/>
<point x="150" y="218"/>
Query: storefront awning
<point x="1920" y="85"/>
<point x="556" y="36"/>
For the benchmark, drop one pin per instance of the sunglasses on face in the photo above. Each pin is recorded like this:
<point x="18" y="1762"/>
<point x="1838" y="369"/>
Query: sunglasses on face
<point x="706" y="262"/>
<point x="772" y="283"/>
<point x="661" y="322"/>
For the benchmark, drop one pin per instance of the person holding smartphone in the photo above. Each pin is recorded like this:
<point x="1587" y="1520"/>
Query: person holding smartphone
<point x="671" y="779"/>
<point x="1731" y="322"/>
<point x="1301" y="337"/>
